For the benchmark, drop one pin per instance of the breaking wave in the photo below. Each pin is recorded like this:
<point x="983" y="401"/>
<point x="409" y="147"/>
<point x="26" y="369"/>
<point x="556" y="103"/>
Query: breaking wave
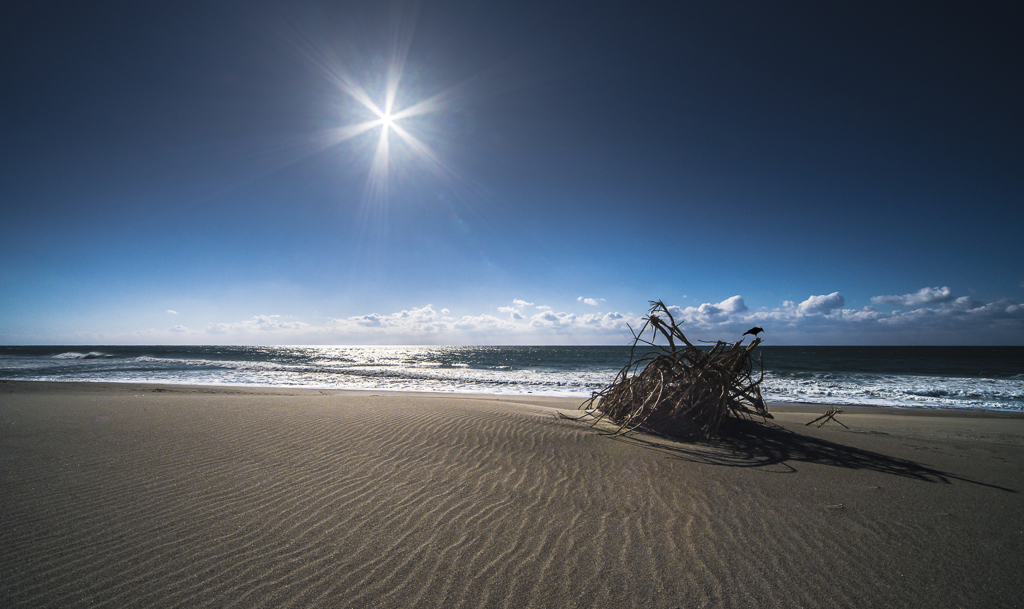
<point x="895" y="377"/>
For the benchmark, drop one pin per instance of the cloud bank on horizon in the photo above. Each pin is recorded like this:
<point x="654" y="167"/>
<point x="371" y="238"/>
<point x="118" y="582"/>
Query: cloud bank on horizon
<point x="818" y="319"/>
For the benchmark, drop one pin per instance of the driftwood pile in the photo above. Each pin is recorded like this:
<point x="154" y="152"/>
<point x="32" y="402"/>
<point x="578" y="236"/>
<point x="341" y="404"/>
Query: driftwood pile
<point x="680" y="390"/>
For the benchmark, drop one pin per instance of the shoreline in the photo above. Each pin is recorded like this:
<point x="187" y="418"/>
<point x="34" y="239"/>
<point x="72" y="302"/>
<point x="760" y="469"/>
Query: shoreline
<point x="936" y="410"/>
<point x="127" y="495"/>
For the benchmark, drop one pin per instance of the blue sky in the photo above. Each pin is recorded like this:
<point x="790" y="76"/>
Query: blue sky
<point x="182" y="173"/>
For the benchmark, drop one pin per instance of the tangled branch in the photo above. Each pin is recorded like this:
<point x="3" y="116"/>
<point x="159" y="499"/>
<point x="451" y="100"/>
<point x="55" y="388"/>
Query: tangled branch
<point x="680" y="390"/>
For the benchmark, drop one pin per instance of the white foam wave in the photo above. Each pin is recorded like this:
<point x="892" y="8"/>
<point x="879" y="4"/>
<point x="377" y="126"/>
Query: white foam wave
<point x="897" y="391"/>
<point x="89" y="355"/>
<point x="407" y="370"/>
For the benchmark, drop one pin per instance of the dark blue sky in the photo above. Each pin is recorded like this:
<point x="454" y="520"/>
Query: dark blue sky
<point x="171" y="172"/>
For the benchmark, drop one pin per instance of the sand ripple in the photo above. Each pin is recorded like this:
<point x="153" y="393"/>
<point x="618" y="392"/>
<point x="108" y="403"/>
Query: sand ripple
<point x="147" y="499"/>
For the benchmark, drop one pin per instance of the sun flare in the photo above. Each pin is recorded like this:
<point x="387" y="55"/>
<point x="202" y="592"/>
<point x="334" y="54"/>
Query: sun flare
<point x="387" y="118"/>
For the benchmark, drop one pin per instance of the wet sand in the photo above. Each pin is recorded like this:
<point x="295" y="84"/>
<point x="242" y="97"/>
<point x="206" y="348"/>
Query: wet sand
<point x="162" y="496"/>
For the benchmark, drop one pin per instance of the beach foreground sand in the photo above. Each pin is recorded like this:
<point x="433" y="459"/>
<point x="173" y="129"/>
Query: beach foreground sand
<point x="159" y="496"/>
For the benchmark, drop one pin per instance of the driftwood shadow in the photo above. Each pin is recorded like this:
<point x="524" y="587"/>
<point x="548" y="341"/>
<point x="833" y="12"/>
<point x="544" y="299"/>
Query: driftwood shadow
<point x="756" y="444"/>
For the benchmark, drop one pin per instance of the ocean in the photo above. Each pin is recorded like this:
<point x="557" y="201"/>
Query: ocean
<point x="987" y="378"/>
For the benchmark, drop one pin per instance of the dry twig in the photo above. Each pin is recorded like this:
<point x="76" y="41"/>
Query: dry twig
<point x="830" y="415"/>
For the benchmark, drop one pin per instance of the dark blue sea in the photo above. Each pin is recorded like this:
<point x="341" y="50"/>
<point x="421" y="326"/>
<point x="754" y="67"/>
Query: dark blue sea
<point x="990" y="378"/>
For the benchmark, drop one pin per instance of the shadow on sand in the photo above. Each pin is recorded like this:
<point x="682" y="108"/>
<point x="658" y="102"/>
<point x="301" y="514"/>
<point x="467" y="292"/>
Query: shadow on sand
<point x="755" y="444"/>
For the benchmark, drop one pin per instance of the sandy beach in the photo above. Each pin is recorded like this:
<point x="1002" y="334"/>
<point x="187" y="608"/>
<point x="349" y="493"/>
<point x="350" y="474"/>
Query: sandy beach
<point x="178" y="496"/>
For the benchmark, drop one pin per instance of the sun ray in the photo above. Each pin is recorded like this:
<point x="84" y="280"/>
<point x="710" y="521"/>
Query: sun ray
<point x="320" y="59"/>
<point x="348" y="132"/>
<point x="377" y="181"/>
<point x="421" y="149"/>
<point x="359" y="94"/>
<point x="402" y="28"/>
<point x="427" y="106"/>
<point x="393" y="79"/>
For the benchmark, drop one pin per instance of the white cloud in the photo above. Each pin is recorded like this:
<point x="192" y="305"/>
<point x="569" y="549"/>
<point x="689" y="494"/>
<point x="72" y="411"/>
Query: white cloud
<point x="259" y="323"/>
<point x="865" y="314"/>
<point x="608" y="321"/>
<point x="485" y="323"/>
<point x="709" y="313"/>
<point x="821" y="305"/>
<point x="513" y="312"/>
<point x="414" y="326"/>
<point x="550" y="319"/>
<point x="172" y="312"/>
<point x="963" y="311"/>
<point x="923" y="296"/>
<point x="371" y="321"/>
<point x="590" y="301"/>
<point x="818" y="319"/>
<point x="732" y="305"/>
<point x="406" y="318"/>
<point x="522" y="303"/>
<point x="965" y="303"/>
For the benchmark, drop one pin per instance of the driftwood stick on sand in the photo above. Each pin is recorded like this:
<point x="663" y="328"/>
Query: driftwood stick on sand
<point x="830" y="415"/>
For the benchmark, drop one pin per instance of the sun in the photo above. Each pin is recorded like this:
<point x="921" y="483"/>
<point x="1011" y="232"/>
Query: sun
<point x="385" y="112"/>
<point x="387" y="119"/>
